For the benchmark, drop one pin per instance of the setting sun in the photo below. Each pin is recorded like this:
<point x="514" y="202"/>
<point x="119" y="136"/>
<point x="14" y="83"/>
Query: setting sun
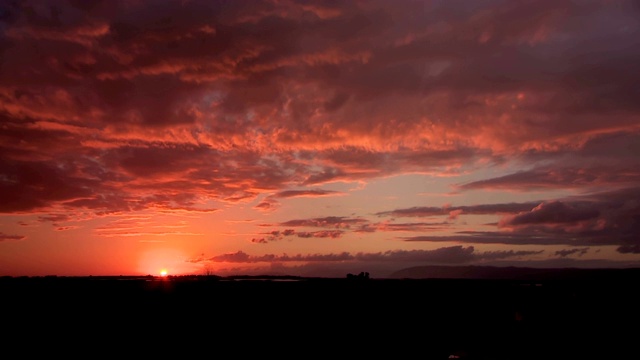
<point x="163" y="272"/>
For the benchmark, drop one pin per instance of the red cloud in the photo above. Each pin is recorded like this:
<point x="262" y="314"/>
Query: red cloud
<point x="5" y="237"/>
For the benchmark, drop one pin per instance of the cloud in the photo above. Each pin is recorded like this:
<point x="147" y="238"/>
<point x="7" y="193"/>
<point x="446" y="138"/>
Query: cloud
<point x="567" y="252"/>
<point x="55" y="218"/>
<point x="271" y="203"/>
<point x="409" y="227"/>
<point x="31" y="185"/>
<point x="605" y="218"/>
<point x="306" y="193"/>
<point x="343" y="226"/>
<point x="144" y="226"/>
<point x="598" y="219"/>
<point x="276" y="235"/>
<point x="227" y="103"/>
<point x="426" y="211"/>
<point x="497" y="237"/>
<point x="65" y="228"/>
<point x="378" y="264"/>
<point x="596" y="163"/>
<point x="558" y="177"/>
<point x="338" y="222"/>
<point x="445" y="255"/>
<point x="629" y="249"/>
<point x="5" y="237"/>
<point x="454" y="254"/>
<point x="554" y="212"/>
<point x="333" y="234"/>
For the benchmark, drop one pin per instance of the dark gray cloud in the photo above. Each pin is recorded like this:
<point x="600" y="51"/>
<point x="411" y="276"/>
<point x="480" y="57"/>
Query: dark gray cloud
<point x="397" y="259"/>
<point x="568" y="252"/>
<point x="481" y="209"/>
<point x="597" y="219"/>
<point x="554" y="212"/>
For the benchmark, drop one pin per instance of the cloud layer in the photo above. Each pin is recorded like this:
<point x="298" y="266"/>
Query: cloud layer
<point x="114" y="107"/>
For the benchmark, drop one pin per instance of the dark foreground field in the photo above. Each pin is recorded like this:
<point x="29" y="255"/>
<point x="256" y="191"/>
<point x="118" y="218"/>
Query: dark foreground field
<point x="314" y="318"/>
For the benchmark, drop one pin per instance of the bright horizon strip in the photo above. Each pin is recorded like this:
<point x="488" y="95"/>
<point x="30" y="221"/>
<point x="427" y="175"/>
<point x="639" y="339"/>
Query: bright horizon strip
<point x="317" y="139"/>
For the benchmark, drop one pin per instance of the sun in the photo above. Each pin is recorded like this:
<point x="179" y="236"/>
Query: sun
<point x="163" y="272"/>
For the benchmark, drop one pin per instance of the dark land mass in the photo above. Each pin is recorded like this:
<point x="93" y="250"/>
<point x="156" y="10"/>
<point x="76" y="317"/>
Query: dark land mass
<point x="521" y="314"/>
<point x="516" y="273"/>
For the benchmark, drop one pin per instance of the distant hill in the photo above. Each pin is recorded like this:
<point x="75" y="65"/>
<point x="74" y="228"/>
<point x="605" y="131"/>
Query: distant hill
<point x="513" y="273"/>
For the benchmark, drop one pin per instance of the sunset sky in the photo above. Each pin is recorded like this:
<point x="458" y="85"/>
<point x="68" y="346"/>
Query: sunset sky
<point x="317" y="138"/>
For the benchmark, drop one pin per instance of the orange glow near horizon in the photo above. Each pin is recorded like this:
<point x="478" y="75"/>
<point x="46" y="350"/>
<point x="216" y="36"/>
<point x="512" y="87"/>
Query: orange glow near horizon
<point x="165" y="261"/>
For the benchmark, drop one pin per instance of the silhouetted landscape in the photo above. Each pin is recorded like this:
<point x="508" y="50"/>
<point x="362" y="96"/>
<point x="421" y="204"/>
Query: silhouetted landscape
<point x="303" y="160"/>
<point x="469" y="312"/>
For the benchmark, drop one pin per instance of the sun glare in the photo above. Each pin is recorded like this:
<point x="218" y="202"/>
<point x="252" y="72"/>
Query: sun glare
<point x="171" y="261"/>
